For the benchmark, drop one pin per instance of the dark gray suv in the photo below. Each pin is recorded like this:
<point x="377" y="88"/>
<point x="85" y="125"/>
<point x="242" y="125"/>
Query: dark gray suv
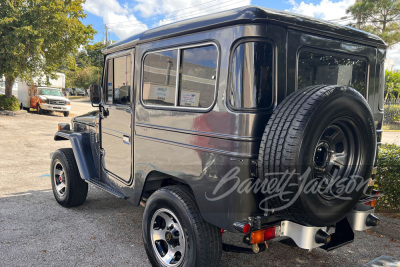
<point x="253" y="121"/>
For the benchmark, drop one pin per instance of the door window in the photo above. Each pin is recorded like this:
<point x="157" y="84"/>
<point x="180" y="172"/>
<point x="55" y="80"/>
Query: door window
<point x="119" y="81"/>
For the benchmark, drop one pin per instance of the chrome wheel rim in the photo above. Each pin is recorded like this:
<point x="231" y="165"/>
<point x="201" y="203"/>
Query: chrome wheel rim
<point x="59" y="179"/>
<point x="167" y="238"/>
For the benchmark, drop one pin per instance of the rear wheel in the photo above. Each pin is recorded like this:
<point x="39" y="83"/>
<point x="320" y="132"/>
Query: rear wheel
<point x="174" y="232"/>
<point x="325" y="135"/>
<point x="68" y="187"/>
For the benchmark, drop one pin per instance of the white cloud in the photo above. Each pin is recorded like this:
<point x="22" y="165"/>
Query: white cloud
<point x="329" y="10"/>
<point x="119" y="18"/>
<point x="326" y="9"/>
<point x="393" y="58"/>
<point x="174" y="10"/>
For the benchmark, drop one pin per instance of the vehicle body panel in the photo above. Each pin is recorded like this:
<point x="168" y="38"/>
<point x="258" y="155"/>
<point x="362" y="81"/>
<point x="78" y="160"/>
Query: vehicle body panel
<point x="201" y="147"/>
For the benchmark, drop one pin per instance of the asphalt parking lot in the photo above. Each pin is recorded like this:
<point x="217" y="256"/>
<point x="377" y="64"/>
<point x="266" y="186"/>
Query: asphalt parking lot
<point x="105" y="231"/>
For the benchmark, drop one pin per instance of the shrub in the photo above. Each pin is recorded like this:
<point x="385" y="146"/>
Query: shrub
<point x="7" y="103"/>
<point x="388" y="176"/>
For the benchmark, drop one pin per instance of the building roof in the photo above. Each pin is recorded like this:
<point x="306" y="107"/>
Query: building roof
<point x="249" y="14"/>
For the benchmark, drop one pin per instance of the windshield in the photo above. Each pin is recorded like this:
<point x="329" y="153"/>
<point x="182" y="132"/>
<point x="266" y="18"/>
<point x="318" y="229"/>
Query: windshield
<point x="49" y="91"/>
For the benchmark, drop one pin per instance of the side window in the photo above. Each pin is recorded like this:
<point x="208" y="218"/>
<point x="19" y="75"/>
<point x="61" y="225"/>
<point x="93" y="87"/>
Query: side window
<point x="195" y="85"/>
<point x="198" y="74"/>
<point x="318" y="68"/>
<point x="110" y="82"/>
<point x="251" y="76"/>
<point x="122" y="80"/>
<point x="159" y="78"/>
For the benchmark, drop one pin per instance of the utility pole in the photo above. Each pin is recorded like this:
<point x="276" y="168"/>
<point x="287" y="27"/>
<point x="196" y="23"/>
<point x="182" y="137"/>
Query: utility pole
<point x="106" y="35"/>
<point x="358" y="25"/>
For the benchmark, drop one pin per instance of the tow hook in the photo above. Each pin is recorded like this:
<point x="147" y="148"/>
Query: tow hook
<point x="257" y="248"/>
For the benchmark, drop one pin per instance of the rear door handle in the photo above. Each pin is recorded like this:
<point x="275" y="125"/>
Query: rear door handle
<point x="126" y="139"/>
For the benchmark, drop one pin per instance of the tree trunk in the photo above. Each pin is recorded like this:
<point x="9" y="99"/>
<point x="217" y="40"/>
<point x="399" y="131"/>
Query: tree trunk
<point x="9" y="85"/>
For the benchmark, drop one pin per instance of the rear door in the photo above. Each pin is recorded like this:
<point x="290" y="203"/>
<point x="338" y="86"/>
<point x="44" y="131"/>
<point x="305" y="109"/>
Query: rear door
<point x="116" y="122"/>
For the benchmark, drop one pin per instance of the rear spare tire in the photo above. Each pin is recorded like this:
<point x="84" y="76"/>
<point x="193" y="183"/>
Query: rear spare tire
<point x="326" y="136"/>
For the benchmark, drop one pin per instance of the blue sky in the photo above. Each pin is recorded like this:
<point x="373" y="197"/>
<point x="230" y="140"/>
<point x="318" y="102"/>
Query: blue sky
<point x="133" y="12"/>
<point x="128" y="17"/>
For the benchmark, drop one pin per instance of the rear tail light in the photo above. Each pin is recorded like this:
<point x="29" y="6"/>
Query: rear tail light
<point x="263" y="235"/>
<point x="371" y="203"/>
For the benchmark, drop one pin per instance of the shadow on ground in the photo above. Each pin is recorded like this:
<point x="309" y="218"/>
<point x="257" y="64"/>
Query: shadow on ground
<point x="105" y="231"/>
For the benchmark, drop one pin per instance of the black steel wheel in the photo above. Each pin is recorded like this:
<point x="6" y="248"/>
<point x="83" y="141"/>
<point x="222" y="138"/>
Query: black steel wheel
<point x="325" y="136"/>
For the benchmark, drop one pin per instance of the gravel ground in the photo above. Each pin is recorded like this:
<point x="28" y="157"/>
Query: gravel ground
<point x="391" y="138"/>
<point x="105" y="231"/>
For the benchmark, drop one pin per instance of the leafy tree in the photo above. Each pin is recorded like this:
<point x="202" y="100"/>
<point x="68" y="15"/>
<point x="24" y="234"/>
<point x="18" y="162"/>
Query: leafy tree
<point x="83" y="78"/>
<point x="379" y="17"/>
<point x="37" y="36"/>
<point x="392" y="84"/>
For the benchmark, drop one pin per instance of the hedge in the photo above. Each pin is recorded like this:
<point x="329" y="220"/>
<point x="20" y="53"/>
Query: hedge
<point x="11" y="104"/>
<point x="388" y="176"/>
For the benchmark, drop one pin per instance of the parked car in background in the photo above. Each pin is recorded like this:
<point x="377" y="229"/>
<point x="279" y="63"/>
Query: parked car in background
<point x="50" y="99"/>
<point x="79" y="92"/>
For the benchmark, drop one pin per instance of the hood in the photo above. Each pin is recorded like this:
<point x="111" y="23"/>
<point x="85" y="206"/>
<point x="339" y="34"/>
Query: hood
<point x="88" y="118"/>
<point x="52" y="97"/>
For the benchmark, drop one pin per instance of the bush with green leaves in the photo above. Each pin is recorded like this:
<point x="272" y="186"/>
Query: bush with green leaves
<point x="388" y="176"/>
<point x="9" y="103"/>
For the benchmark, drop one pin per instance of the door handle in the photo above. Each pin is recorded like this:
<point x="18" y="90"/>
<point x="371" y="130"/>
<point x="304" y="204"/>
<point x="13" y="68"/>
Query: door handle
<point x="126" y="139"/>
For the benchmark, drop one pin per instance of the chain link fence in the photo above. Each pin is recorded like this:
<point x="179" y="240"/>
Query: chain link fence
<point x="392" y="111"/>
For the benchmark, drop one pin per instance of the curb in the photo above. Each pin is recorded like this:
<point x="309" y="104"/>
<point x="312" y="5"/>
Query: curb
<point x="13" y="113"/>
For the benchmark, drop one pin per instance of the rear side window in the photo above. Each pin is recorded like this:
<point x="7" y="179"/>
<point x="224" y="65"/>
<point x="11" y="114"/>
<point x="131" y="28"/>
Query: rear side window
<point x="180" y="78"/>
<point x="159" y="78"/>
<point x="197" y="76"/>
<point x="251" y="75"/>
<point x="319" y="68"/>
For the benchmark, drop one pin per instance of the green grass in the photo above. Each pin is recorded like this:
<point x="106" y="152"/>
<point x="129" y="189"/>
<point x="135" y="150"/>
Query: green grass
<point x="391" y="127"/>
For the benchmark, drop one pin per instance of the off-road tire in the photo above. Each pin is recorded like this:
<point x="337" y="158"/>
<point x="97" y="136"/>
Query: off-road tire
<point x="289" y="144"/>
<point x="203" y="240"/>
<point x="76" y="189"/>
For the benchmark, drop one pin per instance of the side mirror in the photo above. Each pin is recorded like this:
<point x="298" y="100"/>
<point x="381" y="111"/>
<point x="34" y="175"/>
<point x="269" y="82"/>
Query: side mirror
<point x="95" y="94"/>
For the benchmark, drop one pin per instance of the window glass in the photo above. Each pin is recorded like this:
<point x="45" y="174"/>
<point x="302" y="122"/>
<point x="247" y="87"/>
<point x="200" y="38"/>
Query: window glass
<point x="159" y="78"/>
<point x="110" y="82"/>
<point x="251" y="82"/>
<point x="197" y="79"/>
<point x="122" y="80"/>
<point x="317" y="68"/>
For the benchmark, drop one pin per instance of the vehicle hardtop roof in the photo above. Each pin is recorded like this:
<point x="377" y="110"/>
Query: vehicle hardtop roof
<point x="249" y="14"/>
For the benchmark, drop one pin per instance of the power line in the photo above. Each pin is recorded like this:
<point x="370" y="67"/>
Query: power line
<point x="167" y="14"/>
<point x="186" y="16"/>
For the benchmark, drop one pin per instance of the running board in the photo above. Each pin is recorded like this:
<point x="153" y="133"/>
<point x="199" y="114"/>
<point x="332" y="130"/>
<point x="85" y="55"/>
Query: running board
<point x="105" y="187"/>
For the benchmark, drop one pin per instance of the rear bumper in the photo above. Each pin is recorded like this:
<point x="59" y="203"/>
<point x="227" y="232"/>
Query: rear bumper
<point x="60" y="108"/>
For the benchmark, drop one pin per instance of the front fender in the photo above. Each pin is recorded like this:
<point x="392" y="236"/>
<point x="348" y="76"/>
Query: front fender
<point x="83" y="155"/>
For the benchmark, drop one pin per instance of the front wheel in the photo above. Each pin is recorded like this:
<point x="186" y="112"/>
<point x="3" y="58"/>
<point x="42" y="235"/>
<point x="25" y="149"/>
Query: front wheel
<point x="175" y="234"/>
<point x="68" y="187"/>
<point x="39" y="109"/>
<point x="66" y="114"/>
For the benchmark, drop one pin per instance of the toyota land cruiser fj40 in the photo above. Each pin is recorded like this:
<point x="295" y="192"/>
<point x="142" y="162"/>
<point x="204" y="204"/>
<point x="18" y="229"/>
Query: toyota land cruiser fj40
<point x="253" y="121"/>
